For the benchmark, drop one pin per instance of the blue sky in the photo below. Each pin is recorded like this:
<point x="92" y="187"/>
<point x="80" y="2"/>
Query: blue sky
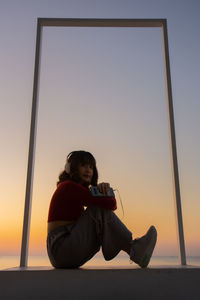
<point x="112" y="75"/>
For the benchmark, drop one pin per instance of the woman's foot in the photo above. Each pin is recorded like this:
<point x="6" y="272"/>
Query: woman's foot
<point x="142" y="248"/>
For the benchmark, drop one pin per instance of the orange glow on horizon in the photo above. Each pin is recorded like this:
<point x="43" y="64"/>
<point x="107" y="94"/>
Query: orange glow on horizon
<point x="141" y="209"/>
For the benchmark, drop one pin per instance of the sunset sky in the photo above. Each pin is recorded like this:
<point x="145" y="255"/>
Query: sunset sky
<point x="101" y="90"/>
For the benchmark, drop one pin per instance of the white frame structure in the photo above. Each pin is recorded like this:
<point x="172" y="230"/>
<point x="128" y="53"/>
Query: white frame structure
<point x="55" y="22"/>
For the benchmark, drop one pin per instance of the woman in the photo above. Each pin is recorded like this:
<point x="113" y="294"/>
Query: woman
<point x="76" y="234"/>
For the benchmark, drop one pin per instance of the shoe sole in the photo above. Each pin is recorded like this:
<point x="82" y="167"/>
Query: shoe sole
<point x="149" y="250"/>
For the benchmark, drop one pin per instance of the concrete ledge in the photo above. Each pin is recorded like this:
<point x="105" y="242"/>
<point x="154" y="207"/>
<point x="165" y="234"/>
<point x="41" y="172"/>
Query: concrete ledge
<point x="103" y="267"/>
<point x="87" y="283"/>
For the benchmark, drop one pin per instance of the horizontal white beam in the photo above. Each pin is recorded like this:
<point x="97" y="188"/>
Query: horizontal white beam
<point x="101" y="22"/>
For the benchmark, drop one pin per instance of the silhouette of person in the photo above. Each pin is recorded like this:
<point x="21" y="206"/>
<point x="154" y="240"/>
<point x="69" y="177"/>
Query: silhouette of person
<point x="79" y="224"/>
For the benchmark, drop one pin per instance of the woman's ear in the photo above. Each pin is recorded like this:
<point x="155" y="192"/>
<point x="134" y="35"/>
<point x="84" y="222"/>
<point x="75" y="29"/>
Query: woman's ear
<point x="67" y="167"/>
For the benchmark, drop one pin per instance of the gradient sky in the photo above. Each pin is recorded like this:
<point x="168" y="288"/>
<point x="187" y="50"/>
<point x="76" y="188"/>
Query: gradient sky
<point x="102" y="90"/>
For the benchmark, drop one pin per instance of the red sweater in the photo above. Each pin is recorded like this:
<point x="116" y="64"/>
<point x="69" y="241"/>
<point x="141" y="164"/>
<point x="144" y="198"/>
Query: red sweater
<point x="69" y="199"/>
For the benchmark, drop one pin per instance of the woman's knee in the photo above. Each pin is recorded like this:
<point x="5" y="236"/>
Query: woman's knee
<point x="98" y="209"/>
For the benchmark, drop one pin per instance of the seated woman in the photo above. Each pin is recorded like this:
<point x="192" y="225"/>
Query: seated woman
<point x="76" y="234"/>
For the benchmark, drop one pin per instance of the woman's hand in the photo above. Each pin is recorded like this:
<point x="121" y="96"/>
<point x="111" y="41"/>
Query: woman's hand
<point x="104" y="188"/>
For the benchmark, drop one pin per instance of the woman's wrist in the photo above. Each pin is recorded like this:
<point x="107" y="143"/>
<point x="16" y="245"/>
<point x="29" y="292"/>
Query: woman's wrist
<point x="104" y="188"/>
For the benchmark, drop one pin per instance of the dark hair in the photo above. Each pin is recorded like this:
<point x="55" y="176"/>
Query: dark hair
<point x="75" y="158"/>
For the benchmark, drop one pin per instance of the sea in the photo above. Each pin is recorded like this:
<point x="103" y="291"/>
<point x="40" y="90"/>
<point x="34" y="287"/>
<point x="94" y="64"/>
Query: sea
<point x="120" y="261"/>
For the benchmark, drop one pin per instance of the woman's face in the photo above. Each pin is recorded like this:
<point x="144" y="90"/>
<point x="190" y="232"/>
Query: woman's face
<point x="85" y="173"/>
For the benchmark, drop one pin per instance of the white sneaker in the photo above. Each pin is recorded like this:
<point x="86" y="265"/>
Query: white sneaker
<point x="142" y="248"/>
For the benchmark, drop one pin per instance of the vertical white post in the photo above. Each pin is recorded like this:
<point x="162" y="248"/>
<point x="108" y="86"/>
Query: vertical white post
<point x="173" y="147"/>
<point x="31" y="155"/>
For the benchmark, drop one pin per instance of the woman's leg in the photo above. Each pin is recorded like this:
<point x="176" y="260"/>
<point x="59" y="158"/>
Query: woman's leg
<point x="96" y="227"/>
<point x="114" y="235"/>
<point x="100" y="227"/>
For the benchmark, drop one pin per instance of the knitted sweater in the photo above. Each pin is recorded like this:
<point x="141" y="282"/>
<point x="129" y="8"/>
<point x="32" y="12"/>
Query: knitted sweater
<point x="69" y="199"/>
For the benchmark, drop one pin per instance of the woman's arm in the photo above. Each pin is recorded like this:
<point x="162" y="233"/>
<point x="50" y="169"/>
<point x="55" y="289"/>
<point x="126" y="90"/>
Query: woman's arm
<point x="81" y="194"/>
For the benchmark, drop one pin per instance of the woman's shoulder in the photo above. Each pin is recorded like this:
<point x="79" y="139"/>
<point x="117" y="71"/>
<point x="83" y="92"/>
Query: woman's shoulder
<point x="65" y="183"/>
<point x="65" y="187"/>
<point x="69" y="183"/>
<point x="71" y="187"/>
